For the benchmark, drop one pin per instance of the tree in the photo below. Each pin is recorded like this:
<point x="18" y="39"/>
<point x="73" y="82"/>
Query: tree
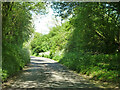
<point x="64" y="9"/>
<point x="16" y="17"/>
<point x="98" y="24"/>
<point x="17" y="28"/>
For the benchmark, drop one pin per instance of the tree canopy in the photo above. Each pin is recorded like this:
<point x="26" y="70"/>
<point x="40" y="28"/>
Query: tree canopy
<point x="17" y="28"/>
<point x="89" y="42"/>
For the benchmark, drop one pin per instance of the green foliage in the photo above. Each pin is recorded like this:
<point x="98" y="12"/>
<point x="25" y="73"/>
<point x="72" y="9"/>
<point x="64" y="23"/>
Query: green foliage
<point x="14" y="59"/>
<point x="39" y="43"/>
<point x="64" y="9"/>
<point x="16" y="23"/>
<point x="97" y="28"/>
<point x="55" y="40"/>
<point x="89" y="42"/>
<point x="17" y="28"/>
<point x="103" y="67"/>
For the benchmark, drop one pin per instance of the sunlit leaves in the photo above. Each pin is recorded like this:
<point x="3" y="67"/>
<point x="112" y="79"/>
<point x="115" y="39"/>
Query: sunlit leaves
<point x="17" y="28"/>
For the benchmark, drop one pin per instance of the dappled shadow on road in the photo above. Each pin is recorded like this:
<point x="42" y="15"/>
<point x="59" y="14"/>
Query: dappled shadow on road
<point x="44" y="72"/>
<point x="32" y="57"/>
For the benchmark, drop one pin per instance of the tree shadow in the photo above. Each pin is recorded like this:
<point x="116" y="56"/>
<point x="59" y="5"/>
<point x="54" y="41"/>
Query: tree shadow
<point x="49" y="75"/>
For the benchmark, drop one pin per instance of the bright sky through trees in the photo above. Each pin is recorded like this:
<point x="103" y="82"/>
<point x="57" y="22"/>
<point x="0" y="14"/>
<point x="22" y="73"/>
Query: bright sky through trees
<point x="43" y="23"/>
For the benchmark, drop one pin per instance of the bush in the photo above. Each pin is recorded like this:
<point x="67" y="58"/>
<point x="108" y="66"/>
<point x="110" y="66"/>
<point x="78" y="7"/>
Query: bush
<point x="101" y="67"/>
<point x="84" y="50"/>
<point x="14" y="59"/>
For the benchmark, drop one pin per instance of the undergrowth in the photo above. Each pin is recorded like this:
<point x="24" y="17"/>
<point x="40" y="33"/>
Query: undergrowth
<point x="14" y="59"/>
<point x="103" y="67"/>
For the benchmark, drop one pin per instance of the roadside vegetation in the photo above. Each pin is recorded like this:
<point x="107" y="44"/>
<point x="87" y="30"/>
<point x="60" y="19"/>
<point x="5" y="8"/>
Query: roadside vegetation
<point x="89" y="42"/>
<point x="17" y="28"/>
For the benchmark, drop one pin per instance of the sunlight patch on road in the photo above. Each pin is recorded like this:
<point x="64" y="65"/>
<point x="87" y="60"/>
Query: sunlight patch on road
<point x="43" y="72"/>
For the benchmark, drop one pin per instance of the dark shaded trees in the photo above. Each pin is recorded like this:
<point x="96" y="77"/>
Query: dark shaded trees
<point x="99" y="26"/>
<point x="64" y="9"/>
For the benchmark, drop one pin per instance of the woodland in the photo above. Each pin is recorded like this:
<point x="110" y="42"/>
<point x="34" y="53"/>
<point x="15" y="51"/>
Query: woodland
<point x="17" y="29"/>
<point x="88" y="42"/>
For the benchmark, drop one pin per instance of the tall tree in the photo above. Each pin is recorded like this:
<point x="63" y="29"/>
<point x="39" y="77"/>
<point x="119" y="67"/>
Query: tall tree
<point x="99" y="26"/>
<point x="16" y="30"/>
<point x="16" y="17"/>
